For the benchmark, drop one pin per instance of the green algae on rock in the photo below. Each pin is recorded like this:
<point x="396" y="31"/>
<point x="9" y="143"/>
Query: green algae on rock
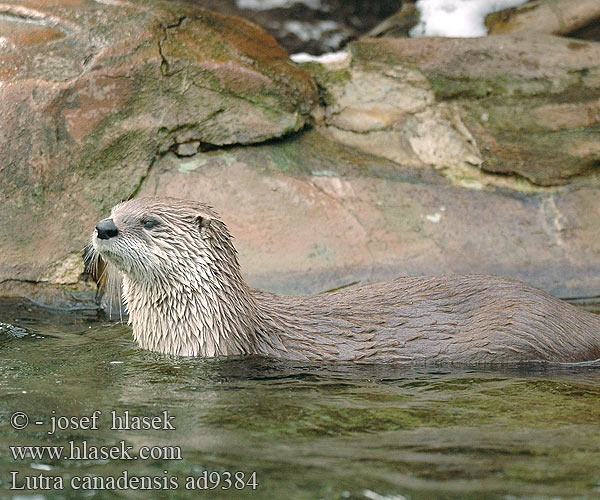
<point x="530" y="102"/>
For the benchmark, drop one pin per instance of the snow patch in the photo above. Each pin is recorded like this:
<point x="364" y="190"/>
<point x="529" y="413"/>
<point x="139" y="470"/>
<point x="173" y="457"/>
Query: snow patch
<point x="341" y="57"/>
<point x="457" y="18"/>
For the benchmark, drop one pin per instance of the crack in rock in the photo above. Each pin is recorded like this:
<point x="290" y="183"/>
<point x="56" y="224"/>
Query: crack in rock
<point x="164" y="65"/>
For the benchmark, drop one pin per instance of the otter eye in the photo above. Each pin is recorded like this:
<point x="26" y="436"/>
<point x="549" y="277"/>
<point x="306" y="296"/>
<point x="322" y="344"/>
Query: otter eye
<point x="149" y="223"/>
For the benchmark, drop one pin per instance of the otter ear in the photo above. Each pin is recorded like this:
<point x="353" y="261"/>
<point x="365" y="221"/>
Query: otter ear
<point x="203" y="224"/>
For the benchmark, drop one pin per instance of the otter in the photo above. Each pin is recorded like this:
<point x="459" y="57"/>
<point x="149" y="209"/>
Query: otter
<point x="183" y="289"/>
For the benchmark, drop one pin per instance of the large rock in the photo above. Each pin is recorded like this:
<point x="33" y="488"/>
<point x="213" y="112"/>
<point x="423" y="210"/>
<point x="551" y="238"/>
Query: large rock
<point x="309" y="214"/>
<point x="530" y="104"/>
<point x="391" y="110"/>
<point x="94" y="92"/>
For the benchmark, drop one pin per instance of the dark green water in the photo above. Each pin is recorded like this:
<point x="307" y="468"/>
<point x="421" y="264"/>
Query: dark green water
<point x="309" y="431"/>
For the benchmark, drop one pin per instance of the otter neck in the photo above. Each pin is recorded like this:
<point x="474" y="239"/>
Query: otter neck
<point x="209" y="313"/>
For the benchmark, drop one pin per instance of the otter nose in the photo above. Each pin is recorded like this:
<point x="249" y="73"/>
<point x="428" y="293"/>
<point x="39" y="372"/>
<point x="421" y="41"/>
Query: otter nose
<point x="106" y="229"/>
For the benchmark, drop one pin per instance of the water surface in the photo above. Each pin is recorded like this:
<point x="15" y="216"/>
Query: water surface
<point x="309" y="431"/>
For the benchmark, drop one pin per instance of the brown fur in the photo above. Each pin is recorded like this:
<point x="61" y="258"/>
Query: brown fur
<point x="186" y="296"/>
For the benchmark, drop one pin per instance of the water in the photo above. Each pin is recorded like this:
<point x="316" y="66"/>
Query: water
<point x="309" y="431"/>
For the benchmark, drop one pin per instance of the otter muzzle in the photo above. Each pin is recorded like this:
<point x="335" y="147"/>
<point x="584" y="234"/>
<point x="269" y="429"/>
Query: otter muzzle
<point x="106" y="229"/>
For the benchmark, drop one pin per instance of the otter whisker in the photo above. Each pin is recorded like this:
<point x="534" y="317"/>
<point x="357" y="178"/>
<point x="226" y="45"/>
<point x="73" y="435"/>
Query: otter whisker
<point x="107" y="276"/>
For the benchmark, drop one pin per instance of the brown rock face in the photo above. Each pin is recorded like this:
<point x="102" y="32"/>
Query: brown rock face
<point x="310" y="214"/>
<point x="399" y="176"/>
<point x="92" y="92"/>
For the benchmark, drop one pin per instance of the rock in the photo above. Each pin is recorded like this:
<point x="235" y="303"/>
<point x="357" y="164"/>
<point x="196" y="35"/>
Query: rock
<point x="397" y="175"/>
<point x="188" y="148"/>
<point x="559" y="17"/>
<point x="397" y="118"/>
<point x="309" y="214"/>
<point x="94" y="92"/>
<point x="528" y="103"/>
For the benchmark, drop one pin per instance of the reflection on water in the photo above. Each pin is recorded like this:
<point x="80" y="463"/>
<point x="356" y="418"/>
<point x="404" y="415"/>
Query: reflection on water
<point x="308" y="430"/>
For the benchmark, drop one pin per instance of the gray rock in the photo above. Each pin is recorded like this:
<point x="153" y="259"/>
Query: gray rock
<point x="530" y="103"/>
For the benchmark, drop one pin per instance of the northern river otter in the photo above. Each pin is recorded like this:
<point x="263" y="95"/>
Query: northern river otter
<point x="186" y="296"/>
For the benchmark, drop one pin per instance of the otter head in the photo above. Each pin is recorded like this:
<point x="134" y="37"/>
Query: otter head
<point x="181" y="279"/>
<point x="164" y="240"/>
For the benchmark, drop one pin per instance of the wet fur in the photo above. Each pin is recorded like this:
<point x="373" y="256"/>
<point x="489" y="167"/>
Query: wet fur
<point x="185" y="295"/>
